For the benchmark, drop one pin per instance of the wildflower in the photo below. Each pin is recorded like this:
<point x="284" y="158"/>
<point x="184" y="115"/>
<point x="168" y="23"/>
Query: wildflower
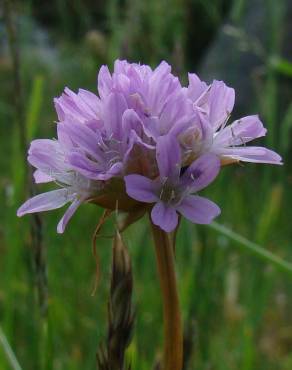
<point x="214" y="104"/>
<point x="143" y="139"/>
<point x="171" y="191"/>
<point x="49" y="159"/>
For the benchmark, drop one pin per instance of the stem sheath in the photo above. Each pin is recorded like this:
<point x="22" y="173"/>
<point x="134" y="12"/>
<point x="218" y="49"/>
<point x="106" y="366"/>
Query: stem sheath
<point x="173" y="337"/>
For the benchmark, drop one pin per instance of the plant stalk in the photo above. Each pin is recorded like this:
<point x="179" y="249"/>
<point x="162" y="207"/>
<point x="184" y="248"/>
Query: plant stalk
<point x="173" y="333"/>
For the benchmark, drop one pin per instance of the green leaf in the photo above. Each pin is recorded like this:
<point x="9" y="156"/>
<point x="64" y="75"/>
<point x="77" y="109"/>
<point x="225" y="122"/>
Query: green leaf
<point x="9" y="352"/>
<point x="34" y="106"/>
<point x="253" y="248"/>
<point x="281" y="65"/>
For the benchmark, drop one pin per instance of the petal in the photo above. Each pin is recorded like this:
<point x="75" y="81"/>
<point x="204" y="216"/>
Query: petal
<point x="121" y="83"/>
<point x="164" y="216"/>
<point x="120" y="66"/>
<point x="161" y="85"/>
<point x="198" y="209"/>
<point x="131" y="121"/>
<point x="255" y="154"/>
<point x="132" y="140"/>
<point x="90" y="99"/>
<point x="67" y="215"/>
<point x="141" y="188"/>
<point x="115" y="170"/>
<point x="84" y="137"/>
<point x="46" y="155"/>
<point x="63" y="137"/>
<point x="175" y="108"/>
<point x="196" y="87"/>
<point x="85" y="166"/>
<point x="168" y="157"/>
<point x="151" y="127"/>
<point x="115" y="106"/>
<point x="221" y="101"/>
<point x="201" y="172"/>
<point x="80" y="105"/>
<point x="45" y="202"/>
<point x="240" y="132"/>
<point x="41" y="177"/>
<point x="104" y="82"/>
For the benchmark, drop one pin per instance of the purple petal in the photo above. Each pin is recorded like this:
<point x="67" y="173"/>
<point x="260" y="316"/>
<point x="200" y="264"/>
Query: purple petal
<point x="164" y="216"/>
<point x="46" y="155"/>
<point x="240" y="132"/>
<point x="174" y="109"/>
<point x="44" y="202"/>
<point x="71" y="105"/>
<point x="221" y="102"/>
<point x="90" y="99"/>
<point x="41" y="177"/>
<point x="255" y="154"/>
<point x="120" y="66"/>
<point x="84" y="137"/>
<point x="141" y="188"/>
<point x="67" y="215"/>
<point x="104" y="82"/>
<point x="132" y="140"/>
<point x="115" y="106"/>
<point x="121" y="83"/>
<point x="131" y="121"/>
<point x="160" y="87"/>
<point x="80" y="104"/>
<point x="201" y="172"/>
<point x="168" y="157"/>
<point x="151" y="127"/>
<point x="85" y="166"/>
<point x="198" y="209"/>
<point x="115" y="170"/>
<point x="196" y="87"/>
<point x="63" y="137"/>
<point x="183" y="124"/>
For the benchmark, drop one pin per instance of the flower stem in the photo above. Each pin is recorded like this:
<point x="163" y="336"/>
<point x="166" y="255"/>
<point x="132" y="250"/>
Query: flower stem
<point x="173" y="337"/>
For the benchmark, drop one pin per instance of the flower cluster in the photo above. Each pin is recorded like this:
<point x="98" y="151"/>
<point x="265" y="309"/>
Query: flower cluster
<point x="143" y="141"/>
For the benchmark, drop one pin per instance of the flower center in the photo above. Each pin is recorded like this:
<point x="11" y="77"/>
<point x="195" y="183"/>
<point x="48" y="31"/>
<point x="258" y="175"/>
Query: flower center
<point x="168" y="193"/>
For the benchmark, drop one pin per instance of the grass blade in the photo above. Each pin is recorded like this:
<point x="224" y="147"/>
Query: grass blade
<point x="9" y="352"/>
<point x="253" y="248"/>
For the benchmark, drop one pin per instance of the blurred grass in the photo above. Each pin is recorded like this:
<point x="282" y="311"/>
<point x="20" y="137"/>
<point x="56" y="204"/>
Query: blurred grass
<point x="235" y="306"/>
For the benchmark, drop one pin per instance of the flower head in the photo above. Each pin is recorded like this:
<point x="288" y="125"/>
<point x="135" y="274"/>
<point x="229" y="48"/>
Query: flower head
<point x="172" y="191"/>
<point x="48" y="157"/>
<point x="214" y="104"/>
<point x="143" y="141"/>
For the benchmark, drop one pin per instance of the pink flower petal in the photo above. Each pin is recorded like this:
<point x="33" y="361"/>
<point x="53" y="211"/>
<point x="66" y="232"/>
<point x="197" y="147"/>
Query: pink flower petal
<point x="201" y="172"/>
<point x="141" y="188"/>
<point x="45" y="202"/>
<point x="41" y="177"/>
<point x="164" y="216"/>
<point x="67" y="215"/>
<point x="198" y="209"/>
<point x="255" y="154"/>
<point x="168" y="156"/>
<point x="240" y="132"/>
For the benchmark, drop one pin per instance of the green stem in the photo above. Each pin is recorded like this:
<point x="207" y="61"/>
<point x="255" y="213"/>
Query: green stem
<point x="173" y="336"/>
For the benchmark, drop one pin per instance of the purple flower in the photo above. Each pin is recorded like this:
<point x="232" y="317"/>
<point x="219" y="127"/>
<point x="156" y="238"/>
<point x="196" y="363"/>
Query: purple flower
<point x="144" y="129"/>
<point x="49" y="159"/>
<point x="214" y="104"/>
<point x="171" y="191"/>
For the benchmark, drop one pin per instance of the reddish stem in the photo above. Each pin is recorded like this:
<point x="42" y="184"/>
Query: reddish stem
<point x="173" y="337"/>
